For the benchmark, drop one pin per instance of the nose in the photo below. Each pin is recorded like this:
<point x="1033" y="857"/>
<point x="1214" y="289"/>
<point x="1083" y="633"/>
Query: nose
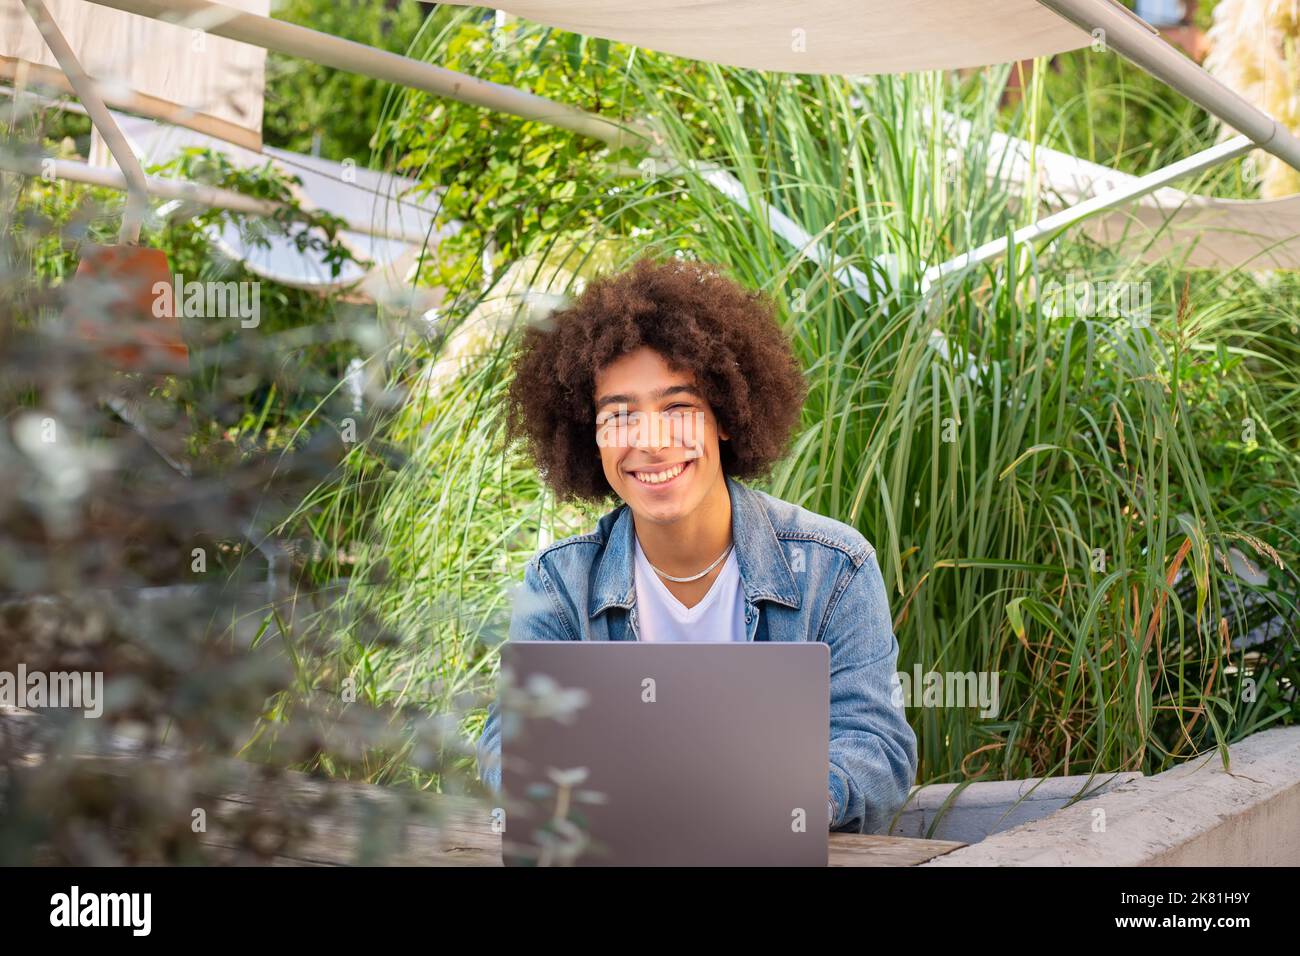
<point x="648" y="432"/>
<point x="660" y="433"/>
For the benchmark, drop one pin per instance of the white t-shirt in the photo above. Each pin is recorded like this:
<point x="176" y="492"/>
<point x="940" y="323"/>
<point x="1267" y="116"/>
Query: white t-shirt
<point x="719" y="616"/>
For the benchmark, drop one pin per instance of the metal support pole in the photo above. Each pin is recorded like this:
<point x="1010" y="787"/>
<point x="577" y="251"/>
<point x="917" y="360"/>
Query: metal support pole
<point x="137" y="192"/>
<point x="329" y="50"/>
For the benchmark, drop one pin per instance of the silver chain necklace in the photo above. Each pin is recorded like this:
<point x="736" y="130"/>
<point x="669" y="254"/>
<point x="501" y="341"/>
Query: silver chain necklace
<point x="693" y="577"/>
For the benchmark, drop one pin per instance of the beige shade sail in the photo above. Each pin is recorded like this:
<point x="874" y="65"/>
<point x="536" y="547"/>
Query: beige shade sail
<point x="819" y="36"/>
<point x="179" y="74"/>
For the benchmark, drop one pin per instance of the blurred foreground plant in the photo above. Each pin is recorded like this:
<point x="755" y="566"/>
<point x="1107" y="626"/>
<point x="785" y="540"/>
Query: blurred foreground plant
<point x="135" y="547"/>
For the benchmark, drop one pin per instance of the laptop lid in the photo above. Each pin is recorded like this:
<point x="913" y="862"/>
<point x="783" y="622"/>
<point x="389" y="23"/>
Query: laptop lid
<point x="631" y="753"/>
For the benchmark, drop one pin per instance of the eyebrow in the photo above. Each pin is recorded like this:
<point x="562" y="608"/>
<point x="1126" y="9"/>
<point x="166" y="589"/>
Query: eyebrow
<point x="657" y="394"/>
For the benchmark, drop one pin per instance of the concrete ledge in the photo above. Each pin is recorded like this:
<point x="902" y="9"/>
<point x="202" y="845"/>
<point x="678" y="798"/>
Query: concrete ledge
<point x="984" y="808"/>
<point x="1196" y="814"/>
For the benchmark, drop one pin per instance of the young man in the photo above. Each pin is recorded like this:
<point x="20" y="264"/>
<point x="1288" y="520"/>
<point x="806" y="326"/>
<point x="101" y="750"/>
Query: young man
<point x="663" y="385"/>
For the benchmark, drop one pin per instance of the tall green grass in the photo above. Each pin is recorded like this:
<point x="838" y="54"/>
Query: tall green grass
<point x="1043" y="540"/>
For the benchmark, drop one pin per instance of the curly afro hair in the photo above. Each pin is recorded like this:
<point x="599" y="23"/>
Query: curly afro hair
<point x="700" y="321"/>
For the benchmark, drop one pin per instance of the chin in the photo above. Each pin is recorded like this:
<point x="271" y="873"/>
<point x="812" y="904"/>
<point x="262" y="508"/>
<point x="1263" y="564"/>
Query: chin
<point x="661" y="513"/>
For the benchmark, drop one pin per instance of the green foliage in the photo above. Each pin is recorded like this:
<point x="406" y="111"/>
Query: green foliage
<point x="121" y="555"/>
<point x="512" y="185"/>
<point x="989" y="445"/>
<point x="305" y="100"/>
<point x="1069" y="435"/>
<point x="305" y="339"/>
<point x="313" y="231"/>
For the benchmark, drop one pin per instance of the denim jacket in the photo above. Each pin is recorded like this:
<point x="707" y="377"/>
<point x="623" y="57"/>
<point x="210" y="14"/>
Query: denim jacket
<point x="805" y="578"/>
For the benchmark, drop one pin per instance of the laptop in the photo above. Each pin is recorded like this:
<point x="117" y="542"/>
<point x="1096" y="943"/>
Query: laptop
<point x="628" y="753"/>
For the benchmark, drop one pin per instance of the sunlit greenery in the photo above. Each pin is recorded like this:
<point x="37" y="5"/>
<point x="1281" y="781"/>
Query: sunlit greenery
<point x="1053" y="497"/>
<point x="1066" y="500"/>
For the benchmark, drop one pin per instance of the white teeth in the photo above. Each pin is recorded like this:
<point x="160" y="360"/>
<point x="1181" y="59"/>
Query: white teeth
<point x="658" y="477"/>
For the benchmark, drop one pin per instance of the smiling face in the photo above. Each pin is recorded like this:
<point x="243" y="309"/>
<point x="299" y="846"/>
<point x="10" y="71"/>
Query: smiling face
<point x="658" y="437"/>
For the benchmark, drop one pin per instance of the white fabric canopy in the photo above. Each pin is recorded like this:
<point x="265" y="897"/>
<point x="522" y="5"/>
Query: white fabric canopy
<point x="157" y="69"/>
<point x="819" y="36"/>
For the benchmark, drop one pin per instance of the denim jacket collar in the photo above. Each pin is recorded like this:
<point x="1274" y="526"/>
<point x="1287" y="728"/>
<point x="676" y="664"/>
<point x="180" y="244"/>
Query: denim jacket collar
<point x="764" y="572"/>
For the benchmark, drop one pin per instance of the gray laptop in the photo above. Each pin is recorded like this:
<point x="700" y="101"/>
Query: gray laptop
<point x="639" y="754"/>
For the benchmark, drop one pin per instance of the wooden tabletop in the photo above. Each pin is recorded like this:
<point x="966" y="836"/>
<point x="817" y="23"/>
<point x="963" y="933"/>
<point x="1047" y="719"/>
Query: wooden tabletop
<point x="343" y="823"/>
<point x="459" y="833"/>
<point x="870" y="849"/>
